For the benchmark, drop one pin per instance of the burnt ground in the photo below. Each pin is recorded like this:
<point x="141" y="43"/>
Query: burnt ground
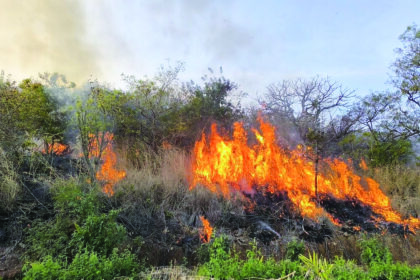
<point x="267" y="215"/>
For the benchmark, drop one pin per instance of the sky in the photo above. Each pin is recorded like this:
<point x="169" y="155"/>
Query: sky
<point x="255" y="42"/>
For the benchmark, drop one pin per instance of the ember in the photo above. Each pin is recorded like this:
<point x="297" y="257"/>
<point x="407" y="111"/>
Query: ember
<point x="207" y="230"/>
<point x="107" y="173"/>
<point x="226" y="165"/>
<point x="56" y="148"/>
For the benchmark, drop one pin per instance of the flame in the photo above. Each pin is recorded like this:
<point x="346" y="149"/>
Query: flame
<point x="363" y="165"/>
<point x="56" y="148"/>
<point x="107" y="173"/>
<point x="207" y="230"/>
<point x="225" y="165"/>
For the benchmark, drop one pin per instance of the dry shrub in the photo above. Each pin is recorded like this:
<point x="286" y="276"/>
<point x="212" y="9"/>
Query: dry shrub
<point x="402" y="184"/>
<point x="9" y="187"/>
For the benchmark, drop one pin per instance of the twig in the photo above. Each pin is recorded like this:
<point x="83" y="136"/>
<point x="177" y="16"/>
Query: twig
<point x="35" y="197"/>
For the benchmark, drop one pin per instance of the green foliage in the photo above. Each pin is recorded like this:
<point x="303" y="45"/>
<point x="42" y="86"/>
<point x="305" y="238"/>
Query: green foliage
<point x="385" y="271"/>
<point x="407" y="66"/>
<point x="376" y="150"/>
<point x="47" y="269"/>
<point x="222" y="264"/>
<point x="99" y="233"/>
<point x="225" y="264"/>
<point x="74" y="199"/>
<point x="391" y="152"/>
<point x="48" y="238"/>
<point x="347" y="270"/>
<point x="209" y="103"/>
<point x="374" y="251"/>
<point x="316" y="267"/>
<point x="294" y="249"/>
<point x="93" y="122"/>
<point x="28" y="111"/>
<point x="76" y="226"/>
<point x="85" y="265"/>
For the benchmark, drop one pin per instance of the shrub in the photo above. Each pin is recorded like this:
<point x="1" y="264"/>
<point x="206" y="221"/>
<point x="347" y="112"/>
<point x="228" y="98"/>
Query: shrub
<point x="225" y="264"/>
<point x="373" y="251"/>
<point x="46" y="269"/>
<point x="100" y="233"/>
<point x="85" y="265"/>
<point x="384" y="271"/>
<point x="74" y="199"/>
<point x="294" y="249"/>
<point x="347" y="270"/>
<point x="49" y="238"/>
<point x="316" y="267"/>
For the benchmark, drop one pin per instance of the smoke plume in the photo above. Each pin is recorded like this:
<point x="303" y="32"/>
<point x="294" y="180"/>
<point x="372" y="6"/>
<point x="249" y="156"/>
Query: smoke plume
<point x="39" y="36"/>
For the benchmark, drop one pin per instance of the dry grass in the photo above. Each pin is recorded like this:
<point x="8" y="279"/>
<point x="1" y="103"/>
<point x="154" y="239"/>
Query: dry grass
<point x="402" y="184"/>
<point x="9" y="187"/>
<point x="158" y="205"/>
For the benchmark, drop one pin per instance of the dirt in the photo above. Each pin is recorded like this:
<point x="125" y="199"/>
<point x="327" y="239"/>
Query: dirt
<point x="10" y="265"/>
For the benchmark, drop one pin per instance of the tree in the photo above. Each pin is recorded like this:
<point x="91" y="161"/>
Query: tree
<point x="27" y="111"/>
<point x="312" y="108"/>
<point x="392" y="118"/>
<point x="407" y="66"/>
<point x="211" y="102"/>
<point x="93" y="123"/>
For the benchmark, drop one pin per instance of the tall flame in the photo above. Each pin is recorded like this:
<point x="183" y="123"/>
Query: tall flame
<point x="107" y="173"/>
<point x="207" y="230"/>
<point x="224" y="165"/>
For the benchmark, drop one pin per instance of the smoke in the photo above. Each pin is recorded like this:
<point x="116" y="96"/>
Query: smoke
<point x="45" y="35"/>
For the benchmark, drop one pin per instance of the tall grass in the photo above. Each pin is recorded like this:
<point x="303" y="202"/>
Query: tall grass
<point x="9" y="186"/>
<point x="402" y="184"/>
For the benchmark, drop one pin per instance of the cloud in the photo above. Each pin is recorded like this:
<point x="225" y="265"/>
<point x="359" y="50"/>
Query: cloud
<point x="39" y="36"/>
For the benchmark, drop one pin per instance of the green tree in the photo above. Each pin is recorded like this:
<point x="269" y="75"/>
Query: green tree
<point x="214" y="101"/>
<point x="27" y="111"/>
<point x="393" y="118"/>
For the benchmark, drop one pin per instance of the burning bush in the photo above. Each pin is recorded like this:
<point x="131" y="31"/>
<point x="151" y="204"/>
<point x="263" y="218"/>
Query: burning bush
<point x="231" y="165"/>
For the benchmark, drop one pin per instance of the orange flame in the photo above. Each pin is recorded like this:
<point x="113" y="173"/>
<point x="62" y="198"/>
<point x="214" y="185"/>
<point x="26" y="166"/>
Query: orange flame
<point x="224" y="165"/>
<point x="56" y="148"/>
<point x="207" y="230"/>
<point x="363" y="165"/>
<point x="107" y="173"/>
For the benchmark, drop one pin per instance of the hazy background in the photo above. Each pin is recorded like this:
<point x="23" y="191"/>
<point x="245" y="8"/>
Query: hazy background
<point x="256" y="42"/>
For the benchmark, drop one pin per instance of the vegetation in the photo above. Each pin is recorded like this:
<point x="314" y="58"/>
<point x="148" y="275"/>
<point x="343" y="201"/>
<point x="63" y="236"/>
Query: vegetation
<point x="57" y="222"/>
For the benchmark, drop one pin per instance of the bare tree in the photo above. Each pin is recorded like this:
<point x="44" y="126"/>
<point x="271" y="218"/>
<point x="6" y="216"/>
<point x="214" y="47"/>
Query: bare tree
<point x="316" y="108"/>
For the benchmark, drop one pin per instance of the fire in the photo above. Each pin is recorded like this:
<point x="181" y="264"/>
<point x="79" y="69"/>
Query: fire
<point x="207" y="230"/>
<point x="225" y="165"/>
<point x="107" y="173"/>
<point x="56" y="148"/>
<point x="363" y="165"/>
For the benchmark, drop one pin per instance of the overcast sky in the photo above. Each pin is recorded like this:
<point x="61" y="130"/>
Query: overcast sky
<point x="256" y="42"/>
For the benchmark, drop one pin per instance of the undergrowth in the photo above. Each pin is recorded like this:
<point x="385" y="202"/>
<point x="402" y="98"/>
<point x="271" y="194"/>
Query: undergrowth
<point x="377" y="264"/>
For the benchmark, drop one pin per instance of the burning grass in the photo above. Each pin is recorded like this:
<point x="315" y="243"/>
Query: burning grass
<point x="108" y="174"/>
<point x="228" y="165"/>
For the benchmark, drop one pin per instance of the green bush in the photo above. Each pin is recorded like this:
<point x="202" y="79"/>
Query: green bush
<point x="85" y="265"/>
<point x="374" y="251"/>
<point x="347" y="270"/>
<point x="100" y="233"/>
<point x="73" y="199"/>
<point x="48" y="238"/>
<point x="225" y="264"/>
<point x="385" y="271"/>
<point x="294" y="249"/>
